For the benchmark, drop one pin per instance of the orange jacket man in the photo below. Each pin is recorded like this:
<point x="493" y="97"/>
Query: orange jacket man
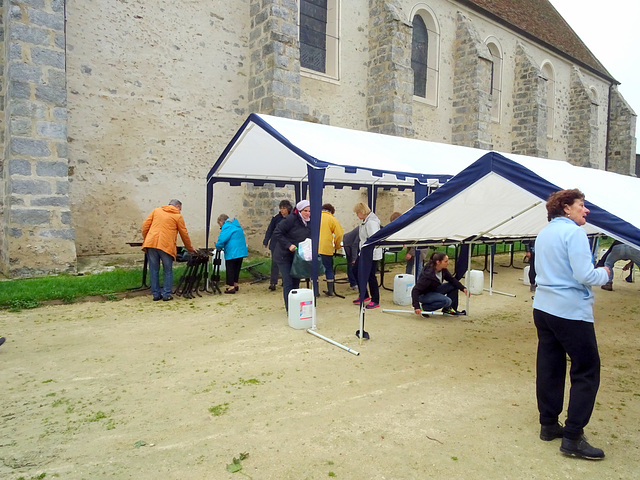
<point x="160" y="232"/>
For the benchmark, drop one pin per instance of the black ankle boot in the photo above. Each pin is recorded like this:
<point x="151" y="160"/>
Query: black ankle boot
<point x="580" y="448"/>
<point x="551" y="432"/>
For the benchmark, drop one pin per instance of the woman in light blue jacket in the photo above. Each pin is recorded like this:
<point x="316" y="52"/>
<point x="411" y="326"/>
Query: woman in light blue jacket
<point x="234" y="244"/>
<point x="563" y="316"/>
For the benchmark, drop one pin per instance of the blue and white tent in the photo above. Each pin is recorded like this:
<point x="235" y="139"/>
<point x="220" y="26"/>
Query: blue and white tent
<point x="282" y="151"/>
<point x="487" y="196"/>
<point x="499" y="199"/>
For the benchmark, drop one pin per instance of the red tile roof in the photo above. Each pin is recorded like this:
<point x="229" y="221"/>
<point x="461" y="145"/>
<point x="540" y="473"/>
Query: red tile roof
<point x="540" y="22"/>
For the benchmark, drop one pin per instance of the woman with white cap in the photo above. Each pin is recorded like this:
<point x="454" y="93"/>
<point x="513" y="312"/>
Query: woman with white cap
<point x="288" y="234"/>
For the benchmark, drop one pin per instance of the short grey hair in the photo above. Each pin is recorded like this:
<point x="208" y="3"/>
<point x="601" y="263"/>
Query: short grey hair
<point x="175" y="203"/>
<point x="223" y="217"/>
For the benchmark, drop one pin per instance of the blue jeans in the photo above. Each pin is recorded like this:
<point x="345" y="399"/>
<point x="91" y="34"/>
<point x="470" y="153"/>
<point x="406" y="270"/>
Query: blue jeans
<point x="621" y="252"/>
<point x="154" y="257"/>
<point x="327" y="262"/>
<point x="352" y="274"/>
<point x="444" y="297"/>
<point x="288" y="282"/>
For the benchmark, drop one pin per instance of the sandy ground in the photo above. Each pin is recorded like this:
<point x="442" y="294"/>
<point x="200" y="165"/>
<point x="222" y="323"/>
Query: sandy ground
<point x="200" y="381"/>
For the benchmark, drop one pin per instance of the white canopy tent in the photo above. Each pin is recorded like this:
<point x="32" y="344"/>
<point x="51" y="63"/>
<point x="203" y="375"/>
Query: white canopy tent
<point x="282" y="151"/>
<point x="492" y="197"/>
<point x="278" y="150"/>
<point x="499" y="198"/>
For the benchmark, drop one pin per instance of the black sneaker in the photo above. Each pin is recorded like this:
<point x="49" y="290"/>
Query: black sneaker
<point x="272" y="287"/>
<point x="580" y="448"/>
<point x="551" y="432"/>
<point x="167" y="298"/>
<point x="155" y="299"/>
<point x="607" y="286"/>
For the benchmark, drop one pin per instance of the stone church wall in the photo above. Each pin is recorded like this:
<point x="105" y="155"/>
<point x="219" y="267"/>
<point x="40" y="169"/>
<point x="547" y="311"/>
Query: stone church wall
<point x="155" y="90"/>
<point x="38" y="237"/>
<point x="129" y="103"/>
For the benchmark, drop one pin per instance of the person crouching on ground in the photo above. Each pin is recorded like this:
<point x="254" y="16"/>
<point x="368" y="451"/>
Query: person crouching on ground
<point x="436" y="288"/>
<point x="287" y="235"/>
<point x="563" y="316"/>
<point x="232" y="241"/>
<point x="160" y="232"/>
<point x="330" y="240"/>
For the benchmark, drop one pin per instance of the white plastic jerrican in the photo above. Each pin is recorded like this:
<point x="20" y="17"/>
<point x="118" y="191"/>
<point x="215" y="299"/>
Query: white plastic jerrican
<point x="476" y="282"/>
<point x="402" y="286"/>
<point x="301" y="308"/>
<point x="223" y="266"/>
<point x="525" y="278"/>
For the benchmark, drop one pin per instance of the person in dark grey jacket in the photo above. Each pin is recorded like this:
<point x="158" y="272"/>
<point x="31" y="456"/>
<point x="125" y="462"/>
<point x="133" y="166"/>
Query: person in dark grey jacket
<point x="287" y="235"/>
<point x="285" y="209"/>
<point x="351" y="245"/>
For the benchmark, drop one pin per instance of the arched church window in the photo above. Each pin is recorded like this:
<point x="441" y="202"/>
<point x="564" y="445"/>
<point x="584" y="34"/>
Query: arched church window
<point x="549" y="75"/>
<point x="425" y="51"/>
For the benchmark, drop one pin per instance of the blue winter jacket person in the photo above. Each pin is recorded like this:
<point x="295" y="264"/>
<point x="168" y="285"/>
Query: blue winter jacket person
<point x="232" y="240"/>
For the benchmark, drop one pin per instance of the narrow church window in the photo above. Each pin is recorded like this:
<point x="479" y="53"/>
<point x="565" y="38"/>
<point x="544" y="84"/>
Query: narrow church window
<point x="549" y="76"/>
<point x="594" y="125"/>
<point x="318" y="32"/>
<point x="495" y="81"/>
<point x="419" y="56"/>
<point x="313" y="37"/>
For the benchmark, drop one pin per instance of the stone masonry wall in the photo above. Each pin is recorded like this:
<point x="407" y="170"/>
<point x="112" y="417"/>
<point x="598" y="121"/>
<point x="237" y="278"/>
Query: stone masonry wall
<point x="274" y="89"/>
<point x="581" y="125"/>
<point x="274" y="82"/>
<point x="529" y="128"/>
<point x="621" y="150"/>
<point x="471" y="90"/>
<point x="2" y="127"/>
<point x="390" y="79"/>
<point x="36" y="220"/>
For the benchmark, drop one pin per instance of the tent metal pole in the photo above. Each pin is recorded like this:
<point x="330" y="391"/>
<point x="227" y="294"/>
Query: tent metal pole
<point x="332" y="342"/>
<point x="314" y="325"/>
<point x="493" y="228"/>
<point x="506" y="221"/>
<point x="361" y="322"/>
<point x="422" y="312"/>
<point x="500" y="293"/>
<point x="491" y="273"/>
<point x="469" y="277"/>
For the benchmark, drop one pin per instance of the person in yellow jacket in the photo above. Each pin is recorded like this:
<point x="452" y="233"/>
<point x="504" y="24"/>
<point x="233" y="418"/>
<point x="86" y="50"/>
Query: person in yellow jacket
<point x="330" y="240"/>
<point x="160" y="232"/>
